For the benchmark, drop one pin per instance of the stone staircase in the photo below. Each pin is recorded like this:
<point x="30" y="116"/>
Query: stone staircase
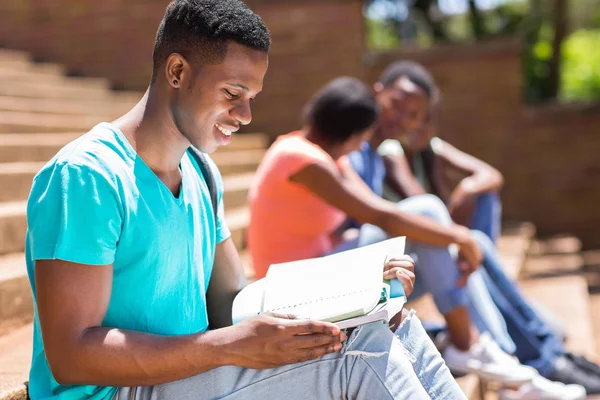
<point x="41" y="110"/>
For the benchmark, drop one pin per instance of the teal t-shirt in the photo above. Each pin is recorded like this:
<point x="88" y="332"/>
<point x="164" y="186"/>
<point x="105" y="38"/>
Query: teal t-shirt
<point x="96" y="202"/>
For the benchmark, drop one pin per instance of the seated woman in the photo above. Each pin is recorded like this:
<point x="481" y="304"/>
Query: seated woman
<point x="305" y="190"/>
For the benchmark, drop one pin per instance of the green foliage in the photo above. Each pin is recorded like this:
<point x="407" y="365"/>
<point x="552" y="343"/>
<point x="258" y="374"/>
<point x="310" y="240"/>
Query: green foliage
<point x="381" y="35"/>
<point x="580" y="68"/>
<point x="536" y="60"/>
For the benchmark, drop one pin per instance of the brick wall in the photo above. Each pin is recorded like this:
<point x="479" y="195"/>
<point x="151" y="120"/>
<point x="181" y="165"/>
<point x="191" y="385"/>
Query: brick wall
<point x="549" y="155"/>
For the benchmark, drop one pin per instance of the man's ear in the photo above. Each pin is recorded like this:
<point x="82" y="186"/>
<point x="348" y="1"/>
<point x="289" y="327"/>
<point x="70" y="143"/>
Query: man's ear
<point x="177" y="70"/>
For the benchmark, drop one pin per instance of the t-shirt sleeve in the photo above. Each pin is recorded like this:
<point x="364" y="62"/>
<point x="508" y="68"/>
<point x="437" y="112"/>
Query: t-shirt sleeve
<point x="390" y="147"/>
<point x="74" y="214"/>
<point x="223" y="231"/>
<point x="297" y="156"/>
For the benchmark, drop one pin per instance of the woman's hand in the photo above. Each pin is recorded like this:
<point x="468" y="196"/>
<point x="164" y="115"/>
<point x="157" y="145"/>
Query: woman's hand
<point x="403" y="269"/>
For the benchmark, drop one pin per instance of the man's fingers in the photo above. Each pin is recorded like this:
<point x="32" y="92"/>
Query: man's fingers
<point x="408" y="280"/>
<point x="399" y="264"/>
<point x="304" y="326"/>
<point x="316" y="352"/>
<point x="283" y="316"/>
<point x="312" y="340"/>
<point x="403" y="257"/>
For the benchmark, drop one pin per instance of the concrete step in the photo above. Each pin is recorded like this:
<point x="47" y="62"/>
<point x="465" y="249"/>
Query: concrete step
<point x="16" y="56"/>
<point x="47" y="70"/>
<point x="94" y="107"/>
<point x="236" y="190"/>
<point x="238" y="161"/>
<point x="13" y="226"/>
<point x="30" y="75"/>
<point x="16" y="302"/>
<point x="16" y="179"/>
<point x="237" y="221"/>
<point x="41" y="69"/>
<point x="556" y="245"/>
<point x="16" y="349"/>
<point x="27" y="122"/>
<point x="23" y="147"/>
<point x="553" y="265"/>
<point x="59" y="90"/>
<point x="568" y="298"/>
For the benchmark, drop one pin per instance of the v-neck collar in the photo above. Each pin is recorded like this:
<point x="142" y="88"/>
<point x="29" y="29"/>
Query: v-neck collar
<point x="145" y="169"/>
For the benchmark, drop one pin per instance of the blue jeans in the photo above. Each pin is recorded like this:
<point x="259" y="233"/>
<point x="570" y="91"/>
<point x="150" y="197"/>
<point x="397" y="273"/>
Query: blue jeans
<point x="488" y="215"/>
<point x="437" y="272"/>
<point x="518" y="328"/>
<point x="374" y="364"/>
<point x="536" y="343"/>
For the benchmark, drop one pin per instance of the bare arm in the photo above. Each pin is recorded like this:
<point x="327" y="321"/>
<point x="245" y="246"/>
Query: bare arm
<point x="226" y="280"/>
<point x="400" y="178"/>
<point x="72" y="300"/>
<point x="482" y="176"/>
<point x="348" y="193"/>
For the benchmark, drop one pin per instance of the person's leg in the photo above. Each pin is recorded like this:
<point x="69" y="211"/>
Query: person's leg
<point x="535" y="342"/>
<point x="373" y="364"/>
<point x="485" y="317"/>
<point x="488" y="215"/>
<point x="439" y="279"/>
<point x="439" y="264"/>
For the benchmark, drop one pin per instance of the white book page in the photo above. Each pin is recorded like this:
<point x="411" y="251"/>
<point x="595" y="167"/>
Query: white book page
<point x="330" y="288"/>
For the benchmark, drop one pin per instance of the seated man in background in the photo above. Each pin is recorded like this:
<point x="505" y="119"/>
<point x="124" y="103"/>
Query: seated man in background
<point x="419" y="162"/>
<point x="402" y="91"/>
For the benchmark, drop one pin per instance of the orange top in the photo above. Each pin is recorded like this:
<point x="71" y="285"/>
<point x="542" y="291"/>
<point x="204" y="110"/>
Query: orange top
<point x="288" y="222"/>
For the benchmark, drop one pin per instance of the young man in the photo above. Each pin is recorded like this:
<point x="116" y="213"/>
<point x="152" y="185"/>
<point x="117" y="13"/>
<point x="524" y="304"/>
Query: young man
<point x="405" y="92"/>
<point x="418" y="162"/>
<point x="129" y="265"/>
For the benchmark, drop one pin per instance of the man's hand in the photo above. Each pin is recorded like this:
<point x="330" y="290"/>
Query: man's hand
<point x="470" y="256"/>
<point x="273" y="340"/>
<point x="403" y="269"/>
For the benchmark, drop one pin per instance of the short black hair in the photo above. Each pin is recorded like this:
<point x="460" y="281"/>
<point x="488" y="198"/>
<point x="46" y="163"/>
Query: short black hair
<point x="199" y="30"/>
<point x="343" y="107"/>
<point x="415" y="72"/>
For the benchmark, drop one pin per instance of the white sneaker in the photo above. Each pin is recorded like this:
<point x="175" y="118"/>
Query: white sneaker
<point x="488" y="361"/>
<point x="541" y="388"/>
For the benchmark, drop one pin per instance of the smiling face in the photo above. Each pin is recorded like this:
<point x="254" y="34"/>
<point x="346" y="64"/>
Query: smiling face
<point x="213" y="100"/>
<point x="404" y="108"/>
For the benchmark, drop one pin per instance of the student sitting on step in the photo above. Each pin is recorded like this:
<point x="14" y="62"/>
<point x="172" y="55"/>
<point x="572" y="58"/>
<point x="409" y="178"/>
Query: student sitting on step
<point x="305" y="190"/>
<point x="131" y="261"/>
<point x="420" y="163"/>
<point x="406" y="89"/>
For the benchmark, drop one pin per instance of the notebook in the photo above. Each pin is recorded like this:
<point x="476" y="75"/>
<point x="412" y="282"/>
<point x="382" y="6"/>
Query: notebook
<point x="347" y="286"/>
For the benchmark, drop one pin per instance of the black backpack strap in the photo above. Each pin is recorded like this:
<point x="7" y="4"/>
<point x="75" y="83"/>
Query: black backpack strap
<point x="205" y="170"/>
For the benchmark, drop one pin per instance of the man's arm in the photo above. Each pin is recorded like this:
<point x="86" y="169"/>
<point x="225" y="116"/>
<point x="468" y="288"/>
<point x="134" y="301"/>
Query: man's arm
<point x="72" y="300"/>
<point x="227" y="279"/>
<point x="400" y="178"/>
<point x="482" y="177"/>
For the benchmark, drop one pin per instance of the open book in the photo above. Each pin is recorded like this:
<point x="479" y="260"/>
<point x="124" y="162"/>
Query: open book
<point x="346" y="288"/>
